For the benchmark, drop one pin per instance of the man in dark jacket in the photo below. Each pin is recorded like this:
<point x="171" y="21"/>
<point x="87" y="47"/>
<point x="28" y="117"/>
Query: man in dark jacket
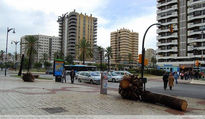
<point x="72" y="75"/>
<point x="165" y="80"/>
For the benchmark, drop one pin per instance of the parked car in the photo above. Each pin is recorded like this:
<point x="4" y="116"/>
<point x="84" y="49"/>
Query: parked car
<point x="49" y="71"/>
<point x="115" y="77"/>
<point x="89" y="77"/>
<point x="122" y="72"/>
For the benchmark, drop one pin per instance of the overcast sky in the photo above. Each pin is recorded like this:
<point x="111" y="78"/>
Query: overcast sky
<point x="40" y="17"/>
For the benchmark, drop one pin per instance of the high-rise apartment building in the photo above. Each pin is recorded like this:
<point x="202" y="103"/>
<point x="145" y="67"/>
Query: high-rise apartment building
<point x="44" y="45"/>
<point x="123" y="43"/>
<point x="186" y="44"/>
<point x="74" y="27"/>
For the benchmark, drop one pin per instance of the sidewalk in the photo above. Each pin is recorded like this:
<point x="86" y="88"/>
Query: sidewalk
<point x="45" y="97"/>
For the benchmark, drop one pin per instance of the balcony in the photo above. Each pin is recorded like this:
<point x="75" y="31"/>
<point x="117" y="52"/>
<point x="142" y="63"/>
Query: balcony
<point x="174" y="35"/>
<point x="174" y="49"/>
<point x="192" y="25"/>
<point x="174" y="14"/>
<point x="166" y="30"/>
<point x="191" y="17"/>
<point x="191" y="32"/>
<point x="174" y="21"/>
<point x="192" y="40"/>
<point x="172" y="56"/>
<point x="174" y="42"/>
<point x="167" y="3"/>
<point x="191" y="2"/>
<point x="166" y="10"/>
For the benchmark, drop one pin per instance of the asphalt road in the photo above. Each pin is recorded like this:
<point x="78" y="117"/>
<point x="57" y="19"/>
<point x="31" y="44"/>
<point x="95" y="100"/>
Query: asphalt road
<point x="184" y="90"/>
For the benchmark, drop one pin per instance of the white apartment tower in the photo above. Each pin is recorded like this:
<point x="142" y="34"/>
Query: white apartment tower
<point x="180" y="49"/>
<point x="45" y="45"/>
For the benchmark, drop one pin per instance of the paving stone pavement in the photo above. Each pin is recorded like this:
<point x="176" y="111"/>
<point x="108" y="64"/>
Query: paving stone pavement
<point x="44" y="97"/>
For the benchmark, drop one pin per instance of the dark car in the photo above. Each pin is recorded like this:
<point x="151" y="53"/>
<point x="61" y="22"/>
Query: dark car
<point x="50" y="71"/>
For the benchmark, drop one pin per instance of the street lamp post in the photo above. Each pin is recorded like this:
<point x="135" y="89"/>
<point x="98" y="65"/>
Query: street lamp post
<point x="143" y="49"/>
<point x="15" y="58"/>
<point x="144" y="80"/>
<point x="7" y="33"/>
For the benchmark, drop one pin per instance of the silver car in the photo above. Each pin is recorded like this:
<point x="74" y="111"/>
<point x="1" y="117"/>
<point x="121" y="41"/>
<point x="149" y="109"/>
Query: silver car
<point x="115" y="77"/>
<point x="122" y="72"/>
<point x="89" y="77"/>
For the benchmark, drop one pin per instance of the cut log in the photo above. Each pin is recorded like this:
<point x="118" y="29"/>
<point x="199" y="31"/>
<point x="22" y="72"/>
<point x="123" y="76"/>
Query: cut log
<point x="169" y="101"/>
<point x="132" y="88"/>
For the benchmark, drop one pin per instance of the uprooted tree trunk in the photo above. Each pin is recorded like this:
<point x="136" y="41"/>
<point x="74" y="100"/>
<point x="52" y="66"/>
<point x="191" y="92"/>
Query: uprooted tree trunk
<point x="131" y="87"/>
<point x="28" y="77"/>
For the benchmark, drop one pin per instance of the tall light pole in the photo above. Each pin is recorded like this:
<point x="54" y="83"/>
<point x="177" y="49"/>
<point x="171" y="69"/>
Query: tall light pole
<point x="15" y="57"/>
<point x="7" y="33"/>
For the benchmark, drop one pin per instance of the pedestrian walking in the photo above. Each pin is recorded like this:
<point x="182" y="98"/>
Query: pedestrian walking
<point x="165" y="80"/>
<point x="171" y="81"/>
<point x="63" y="76"/>
<point x="182" y="75"/>
<point x="72" y="75"/>
<point x="176" y="76"/>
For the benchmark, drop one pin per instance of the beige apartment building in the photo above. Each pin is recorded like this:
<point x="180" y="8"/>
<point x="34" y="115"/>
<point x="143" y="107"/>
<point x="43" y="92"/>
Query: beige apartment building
<point x="45" y="45"/>
<point x="74" y="27"/>
<point x="187" y="43"/>
<point x="123" y="43"/>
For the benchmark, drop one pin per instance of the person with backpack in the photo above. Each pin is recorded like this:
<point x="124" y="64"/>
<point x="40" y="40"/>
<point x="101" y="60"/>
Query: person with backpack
<point x="165" y="80"/>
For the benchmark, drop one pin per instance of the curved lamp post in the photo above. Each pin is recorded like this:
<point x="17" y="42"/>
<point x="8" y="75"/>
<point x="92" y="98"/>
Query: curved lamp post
<point x="143" y="49"/>
<point x="8" y="30"/>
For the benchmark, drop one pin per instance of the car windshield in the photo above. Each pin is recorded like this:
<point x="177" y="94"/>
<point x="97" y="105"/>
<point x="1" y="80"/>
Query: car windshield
<point x="114" y="74"/>
<point x="94" y="74"/>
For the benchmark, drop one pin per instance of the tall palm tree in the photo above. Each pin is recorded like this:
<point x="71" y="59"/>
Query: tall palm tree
<point x="30" y="48"/>
<point x="108" y="54"/>
<point x="130" y="59"/>
<point x="100" y="50"/>
<point x="2" y="55"/>
<point x="85" y="50"/>
<point x="45" y="57"/>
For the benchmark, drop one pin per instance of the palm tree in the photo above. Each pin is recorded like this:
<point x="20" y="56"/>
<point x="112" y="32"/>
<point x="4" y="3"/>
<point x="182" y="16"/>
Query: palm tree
<point x="108" y="54"/>
<point x="100" y="50"/>
<point x="85" y="50"/>
<point x="45" y="57"/>
<point x="58" y="54"/>
<point x="30" y="48"/>
<point x="130" y="59"/>
<point x="153" y="60"/>
<point x="2" y="55"/>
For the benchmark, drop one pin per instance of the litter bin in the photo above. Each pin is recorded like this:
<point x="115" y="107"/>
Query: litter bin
<point x="58" y="78"/>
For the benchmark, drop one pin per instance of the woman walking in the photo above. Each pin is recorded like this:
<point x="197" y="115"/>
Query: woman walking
<point x="171" y="81"/>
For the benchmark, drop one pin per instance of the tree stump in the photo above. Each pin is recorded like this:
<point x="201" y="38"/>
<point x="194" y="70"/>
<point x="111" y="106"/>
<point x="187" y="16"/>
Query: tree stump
<point x="28" y="77"/>
<point x="131" y="87"/>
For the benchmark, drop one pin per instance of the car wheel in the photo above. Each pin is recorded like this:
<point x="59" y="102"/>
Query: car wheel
<point x="91" y="81"/>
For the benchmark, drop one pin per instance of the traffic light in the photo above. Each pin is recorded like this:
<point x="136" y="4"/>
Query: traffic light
<point x="171" y="28"/>
<point x="197" y="63"/>
<point x="140" y="58"/>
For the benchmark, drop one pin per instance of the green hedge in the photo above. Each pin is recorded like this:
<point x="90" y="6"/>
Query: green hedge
<point x="148" y="71"/>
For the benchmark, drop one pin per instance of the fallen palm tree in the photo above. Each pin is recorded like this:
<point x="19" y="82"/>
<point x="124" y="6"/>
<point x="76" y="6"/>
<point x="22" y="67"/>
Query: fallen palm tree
<point x="131" y="87"/>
